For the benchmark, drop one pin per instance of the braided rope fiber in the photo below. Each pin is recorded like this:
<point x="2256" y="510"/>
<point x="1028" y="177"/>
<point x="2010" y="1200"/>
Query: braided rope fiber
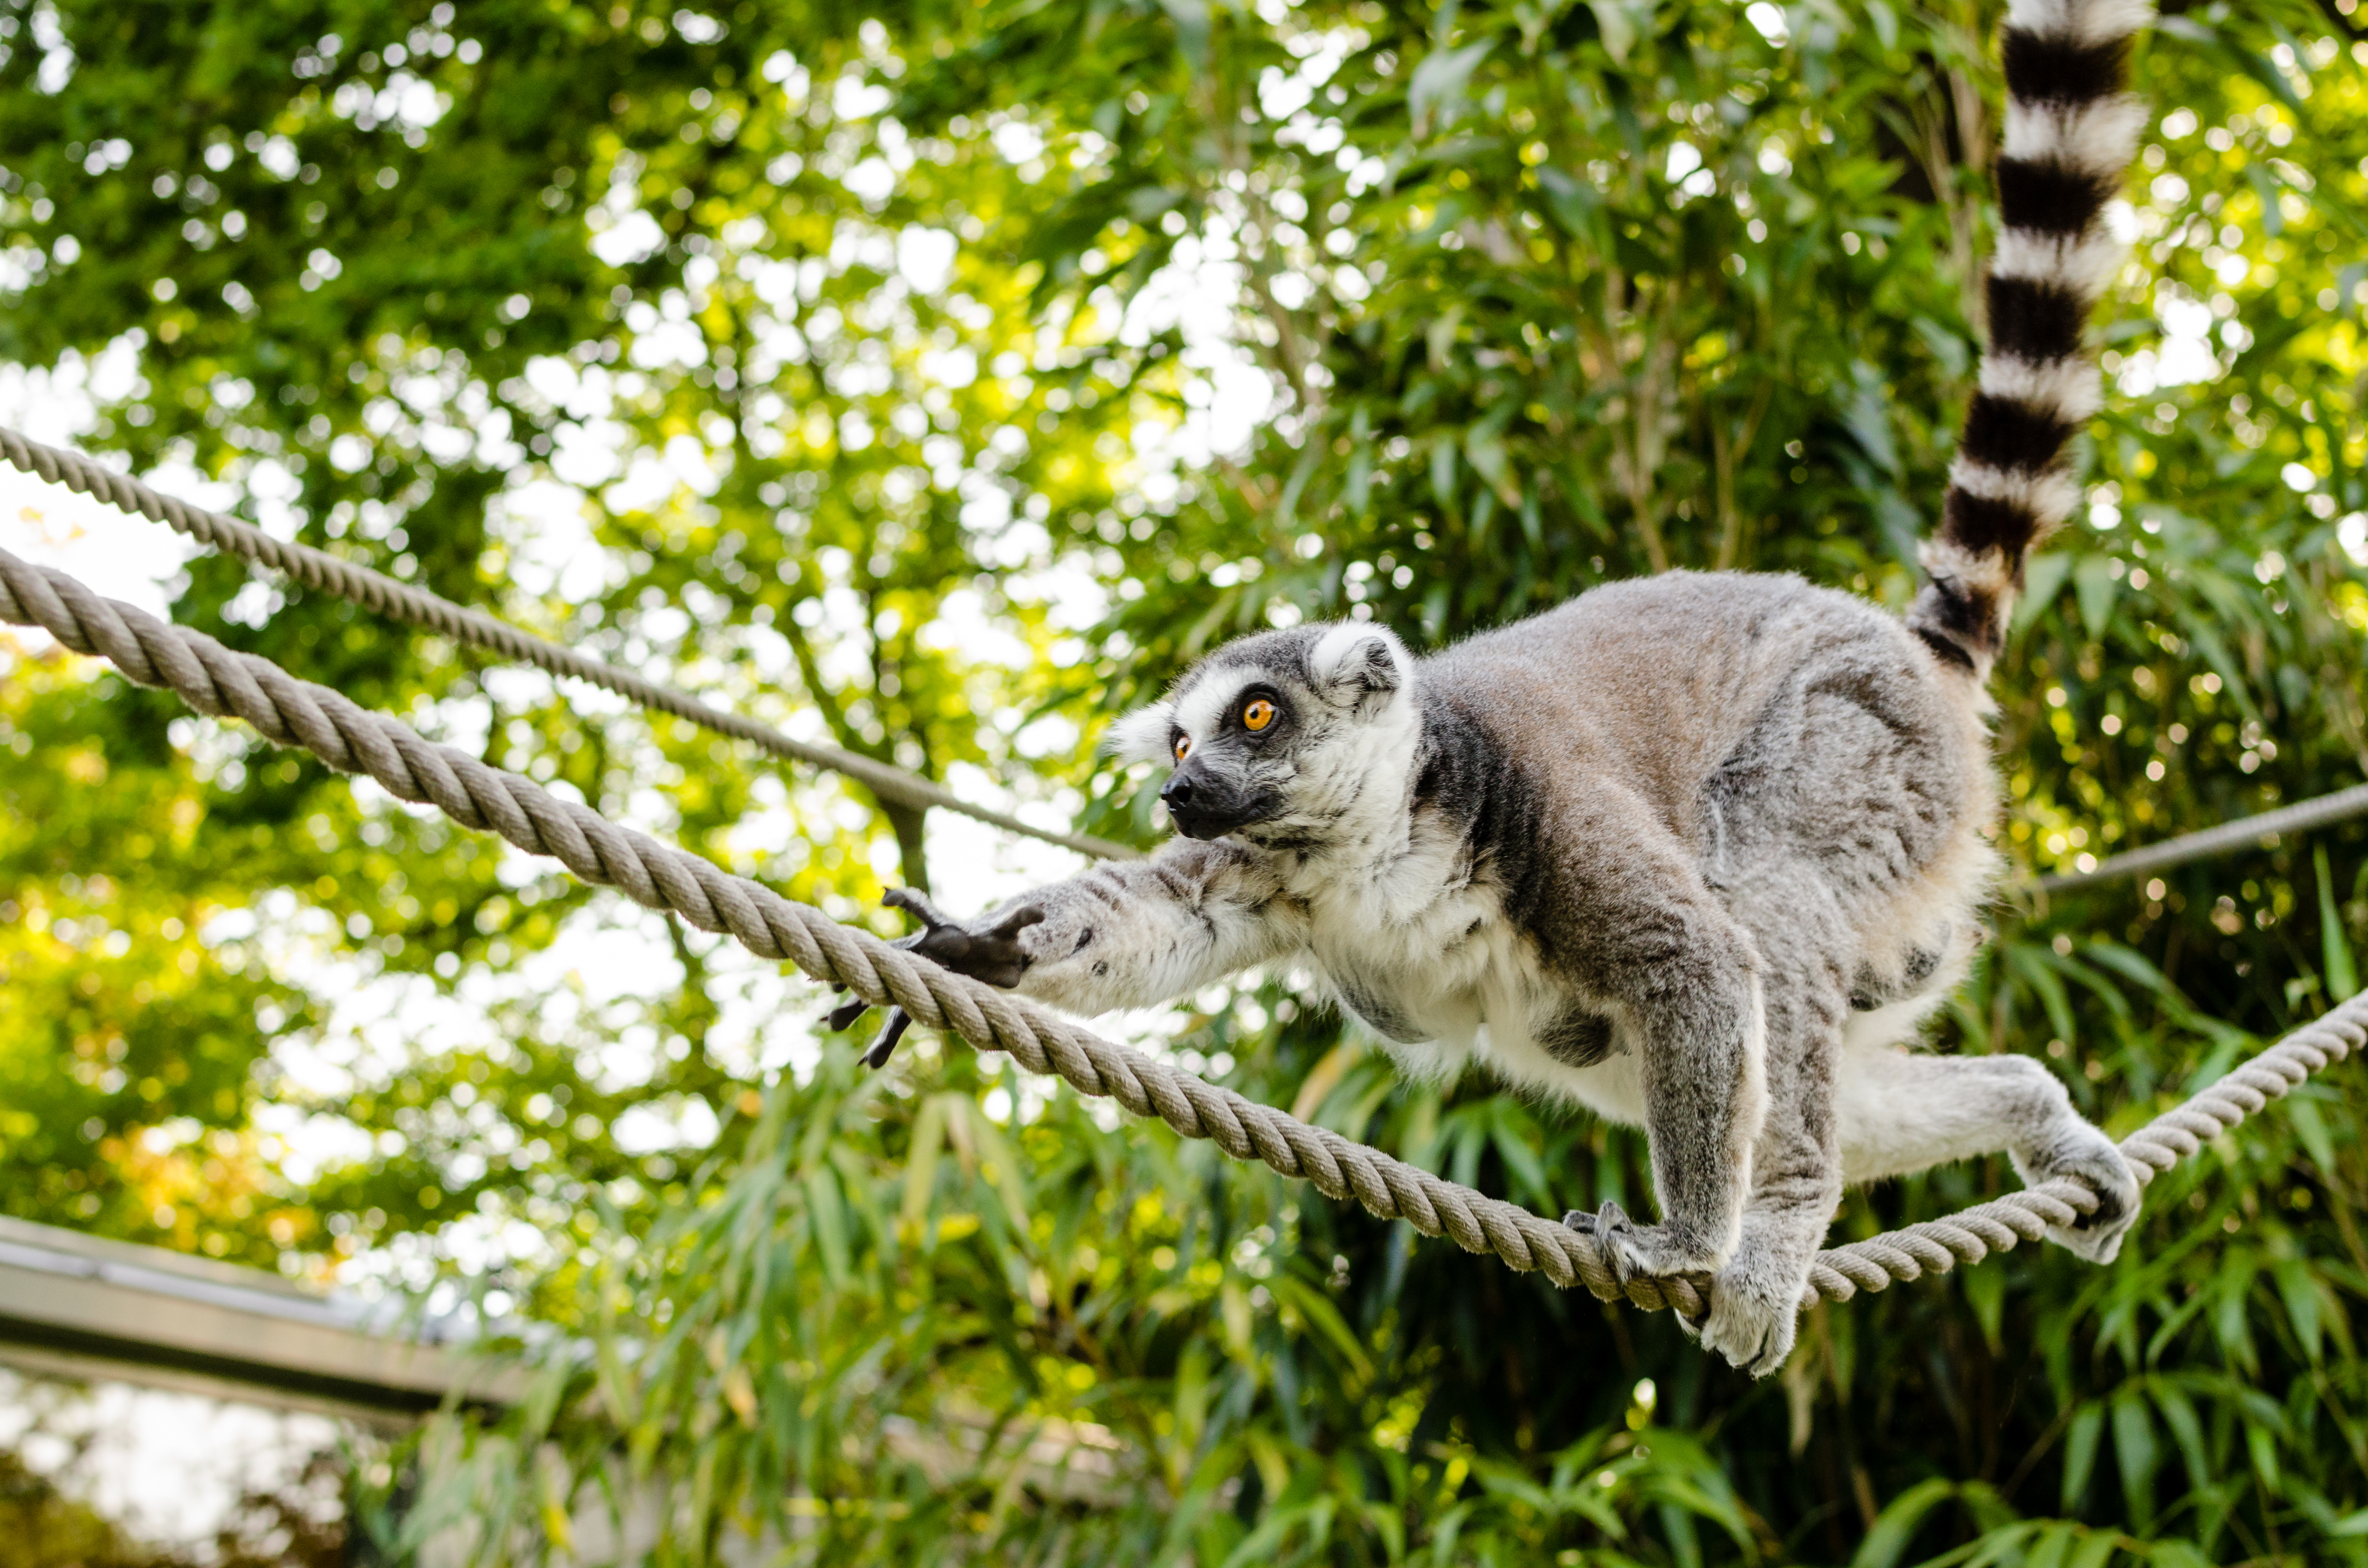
<point x="2245" y="833"/>
<point x="376" y="591"/>
<point x="217" y="680"/>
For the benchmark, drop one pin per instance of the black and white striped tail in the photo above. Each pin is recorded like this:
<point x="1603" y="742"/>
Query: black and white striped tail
<point x="2071" y="129"/>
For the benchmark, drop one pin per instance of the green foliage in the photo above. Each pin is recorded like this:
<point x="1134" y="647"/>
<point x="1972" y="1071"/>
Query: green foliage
<point x="842" y="332"/>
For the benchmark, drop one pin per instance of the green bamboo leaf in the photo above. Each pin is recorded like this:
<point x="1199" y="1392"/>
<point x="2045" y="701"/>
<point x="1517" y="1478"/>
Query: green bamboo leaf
<point x="2137" y="1452"/>
<point x="2097" y="580"/>
<point x="2310" y="1127"/>
<point x="2043" y="578"/>
<point x="2094" y="1549"/>
<point x="1619" y="20"/>
<point x="1438" y="83"/>
<point x="1985" y="1291"/>
<point x="2080" y="1440"/>
<point x="996" y="1151"/>
<point x="1511" y="1132"/>
<point x="921" y="1163"/>
<point x="2035" y="966"/>
<point x="1894" y="1529"/>
<point x="2261" y="1447"/>
<point x="1318" y="1310"/>
<point x="2186" y="1430"/>
<point x="2304" y="1301"/>
<point x="828" y="1214"/>
<point x="1678" y="1523"/>
<point x="2052" y="1544"/>
<point x="2335" y="948"/>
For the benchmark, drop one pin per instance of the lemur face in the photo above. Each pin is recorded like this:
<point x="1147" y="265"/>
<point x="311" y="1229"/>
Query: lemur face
<point x="1272" y="737"/>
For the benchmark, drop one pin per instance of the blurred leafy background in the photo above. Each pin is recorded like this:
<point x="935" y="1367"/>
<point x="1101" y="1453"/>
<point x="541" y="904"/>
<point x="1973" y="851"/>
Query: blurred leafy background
<point x="938" y="378"/>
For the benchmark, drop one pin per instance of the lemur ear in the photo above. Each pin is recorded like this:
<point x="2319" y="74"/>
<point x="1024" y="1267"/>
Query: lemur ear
<point x="1141" y="735"/>
<point x="1360" y="665"/>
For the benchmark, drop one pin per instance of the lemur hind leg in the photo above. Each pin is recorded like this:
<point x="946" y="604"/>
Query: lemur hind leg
<point x="1902" y="1111"/>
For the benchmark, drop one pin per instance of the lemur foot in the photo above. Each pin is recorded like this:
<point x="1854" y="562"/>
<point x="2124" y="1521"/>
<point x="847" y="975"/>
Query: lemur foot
<point x="1639" y="1251"/>
<point x="2085" y="1155"/>
<point x="1754" y="1318"/>
<point x="991" y="955"/>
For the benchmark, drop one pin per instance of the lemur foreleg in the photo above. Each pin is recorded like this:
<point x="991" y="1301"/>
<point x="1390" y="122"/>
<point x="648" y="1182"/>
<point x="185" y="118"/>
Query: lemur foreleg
<point x="1686" y="978"/>
<point x="1796" y="1164"/>
<point x="1126" y="933"/>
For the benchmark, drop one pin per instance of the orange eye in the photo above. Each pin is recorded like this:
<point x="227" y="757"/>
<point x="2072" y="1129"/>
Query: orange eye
<point x="1183" y="745"/>
<point x="1259" y="714"/>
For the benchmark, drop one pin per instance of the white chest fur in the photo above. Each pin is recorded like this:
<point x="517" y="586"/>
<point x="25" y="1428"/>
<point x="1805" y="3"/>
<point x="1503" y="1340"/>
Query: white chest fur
<point x="1420" y="949"/>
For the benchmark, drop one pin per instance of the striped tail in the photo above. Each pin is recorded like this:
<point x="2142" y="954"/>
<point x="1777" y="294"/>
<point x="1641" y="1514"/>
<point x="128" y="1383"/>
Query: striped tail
<point x="2071" y="129"/>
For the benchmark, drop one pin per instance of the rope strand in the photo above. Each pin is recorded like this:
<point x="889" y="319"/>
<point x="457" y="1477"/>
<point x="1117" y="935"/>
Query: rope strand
<point x="2244" y="833"/>
<point x="217" y="680"/>
<point x="416" y="606"/>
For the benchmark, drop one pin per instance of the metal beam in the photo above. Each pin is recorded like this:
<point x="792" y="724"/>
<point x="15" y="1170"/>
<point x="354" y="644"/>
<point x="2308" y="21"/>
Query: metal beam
<point x="66" y="1294"/>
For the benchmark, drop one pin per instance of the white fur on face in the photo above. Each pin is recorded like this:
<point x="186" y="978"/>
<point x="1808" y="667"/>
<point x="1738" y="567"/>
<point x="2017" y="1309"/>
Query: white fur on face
<point x="1141" y="735"/>
<point x="1199" y="711"/>
<point x="1353" y="780"/>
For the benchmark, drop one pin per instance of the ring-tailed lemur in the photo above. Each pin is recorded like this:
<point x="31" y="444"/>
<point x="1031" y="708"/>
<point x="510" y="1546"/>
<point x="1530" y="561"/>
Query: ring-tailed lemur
<point x="1698" y="851"/>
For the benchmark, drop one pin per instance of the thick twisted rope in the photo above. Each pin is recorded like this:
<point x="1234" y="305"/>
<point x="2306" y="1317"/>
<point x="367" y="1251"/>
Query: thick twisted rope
<point x="376" y="591"/>
<point x="217" y="680"/>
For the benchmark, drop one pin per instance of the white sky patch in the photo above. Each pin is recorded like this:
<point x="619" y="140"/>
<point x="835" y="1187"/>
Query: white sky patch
<point x="121" y="555"/>
<point x="852" y="97"/>
<point x="635" y="236"/>
<point x="871" y="181"/>
<point x="168" y="1468"/>
<point x="1230" y="396"/>
<point x="679" y="1121"/>
<point x="1017" y="142"/>
<point x="2187" y="354"/>
<point x="926" y="257"/>
<point x="124" y="557"/>
<point x="2352" y="534"/>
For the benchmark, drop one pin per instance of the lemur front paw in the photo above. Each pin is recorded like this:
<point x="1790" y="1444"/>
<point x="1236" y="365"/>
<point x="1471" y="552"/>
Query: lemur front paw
<point x="1640" y="1252"/>
<point x="2087" y="1157"/>
<point x="991" y="955"/>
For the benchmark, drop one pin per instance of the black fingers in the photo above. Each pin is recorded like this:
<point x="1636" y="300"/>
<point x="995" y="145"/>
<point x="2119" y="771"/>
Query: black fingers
<point x="991" y="955"/>
<point x="884" y="1047"/>
<point x="917" y="904"/>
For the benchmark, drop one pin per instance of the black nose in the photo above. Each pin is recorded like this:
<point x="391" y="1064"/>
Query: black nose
<point x="1177" y="792"/>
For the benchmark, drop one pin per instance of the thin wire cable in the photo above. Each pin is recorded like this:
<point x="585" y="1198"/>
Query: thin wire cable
<point x="418" y="606"/>
<point x="2245" y="833"/>
<point x="214" y="680"/>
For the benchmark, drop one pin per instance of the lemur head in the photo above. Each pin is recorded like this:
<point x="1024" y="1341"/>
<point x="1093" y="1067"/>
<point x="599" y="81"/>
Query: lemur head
<point x="1279" y="737"/>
